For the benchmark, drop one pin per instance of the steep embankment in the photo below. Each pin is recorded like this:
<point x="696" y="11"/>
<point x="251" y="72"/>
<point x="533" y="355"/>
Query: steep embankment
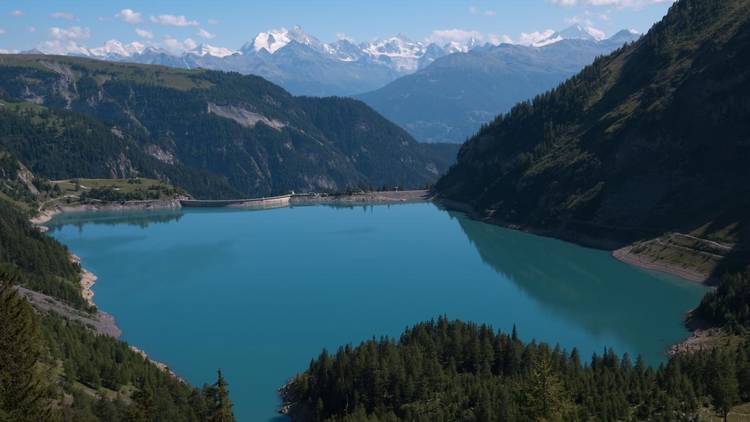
<point x="214" y="134"/>
<point x="648" y="141"/>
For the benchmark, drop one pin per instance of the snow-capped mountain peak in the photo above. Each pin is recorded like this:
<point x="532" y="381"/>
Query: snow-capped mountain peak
<point x="210" y="50"/>
<point x="579" y="32"/>
<point x="276" y="39"/>
<point x="117" y="48"/>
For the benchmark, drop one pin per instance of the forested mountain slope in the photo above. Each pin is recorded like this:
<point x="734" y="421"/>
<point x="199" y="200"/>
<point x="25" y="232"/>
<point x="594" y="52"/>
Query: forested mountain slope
<point x="214" y="134"/>
<point x="55" y="364"/>
<point x="650" y="139"/>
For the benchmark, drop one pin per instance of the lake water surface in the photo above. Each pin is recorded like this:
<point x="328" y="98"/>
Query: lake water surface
<point x="260" y="293"/>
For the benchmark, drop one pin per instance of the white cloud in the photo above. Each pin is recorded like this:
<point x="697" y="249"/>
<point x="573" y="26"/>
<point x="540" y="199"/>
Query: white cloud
<point x="213" y="21"/>
<point x="531" y="38"/>
<point x="189" y="43"/>
<point x="4" y="51"/>
<point x="443" y="36"/>
<point x="489" y="13"/>
<point x="63" y="15"/>
<point x="615" y="3"/>
<point x="16" y="13"/>
<point x="130" y="16"/>
<point x="175" y="46"/>
<point x="495" y="39"/>
<point x="173" y="20"/>
<point x="32" y="29"/>
<point x="144" y="33"/>
<point x="205" y="34"/>
<point x="74" y="32"/>
<point x="2" y="31"/>
<point x="473" y="10"/>
<point x="60" y="47"/>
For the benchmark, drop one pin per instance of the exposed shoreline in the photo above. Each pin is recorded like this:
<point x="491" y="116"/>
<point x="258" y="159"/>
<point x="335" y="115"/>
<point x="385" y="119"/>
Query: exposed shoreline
<point x="103" y="323"/>
<point x="625" y="255"/>
<point x="619" y="252"/>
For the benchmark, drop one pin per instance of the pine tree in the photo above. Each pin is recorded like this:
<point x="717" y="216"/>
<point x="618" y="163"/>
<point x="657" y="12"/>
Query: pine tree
<point x="724" y="386"/>
<point x="222" y="405"/>
<point x="143" y="409"/>
<point x="22" y="394"/>
<point x="543" y="396"/>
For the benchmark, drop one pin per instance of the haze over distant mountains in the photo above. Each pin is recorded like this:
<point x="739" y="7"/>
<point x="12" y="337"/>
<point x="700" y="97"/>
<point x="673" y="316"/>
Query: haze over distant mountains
<point x="303" y="64"/>
<point x="438" y="93"/>
<point x="297" y="61"/>
<point x="450" y="99"/>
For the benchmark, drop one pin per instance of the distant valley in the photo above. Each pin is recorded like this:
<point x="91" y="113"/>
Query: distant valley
<point x="451" y="98"/>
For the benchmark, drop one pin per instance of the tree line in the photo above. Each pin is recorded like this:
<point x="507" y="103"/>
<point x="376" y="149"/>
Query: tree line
<point x="451" y="370"/>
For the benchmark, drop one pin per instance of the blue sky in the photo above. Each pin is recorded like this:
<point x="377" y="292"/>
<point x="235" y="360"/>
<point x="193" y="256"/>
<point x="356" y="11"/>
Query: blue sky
<point x="28" y="24"/>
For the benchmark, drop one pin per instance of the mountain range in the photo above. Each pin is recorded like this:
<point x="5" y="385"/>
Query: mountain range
<point x="297" y="61"/>
<point x="214" y="134"/>
<point x="646" y="142"/>
<point x="304" y="65"/>
<point x="451" y="98"/>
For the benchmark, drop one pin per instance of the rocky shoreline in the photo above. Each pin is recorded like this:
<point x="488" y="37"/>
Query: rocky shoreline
<point x="102" y="322"/>
<point x="619" y="252"/>
<point x="627" y="256"/>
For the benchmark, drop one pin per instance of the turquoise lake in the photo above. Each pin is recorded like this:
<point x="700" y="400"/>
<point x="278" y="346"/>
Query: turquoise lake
<point x="260" y="293"/>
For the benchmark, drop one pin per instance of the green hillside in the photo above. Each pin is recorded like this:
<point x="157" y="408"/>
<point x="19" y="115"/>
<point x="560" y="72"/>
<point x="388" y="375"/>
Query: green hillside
<point x="214" y="134"/>
<point x="649" y="140"/>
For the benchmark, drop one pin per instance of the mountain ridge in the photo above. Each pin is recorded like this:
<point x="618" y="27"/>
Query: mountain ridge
<point x="211" y="133"/>
<point x="635" y="146"/>
<point x="342" y="67"/>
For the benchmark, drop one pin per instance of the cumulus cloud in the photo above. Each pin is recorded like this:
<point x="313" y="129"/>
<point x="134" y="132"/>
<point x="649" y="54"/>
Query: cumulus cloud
<point x="614" y="3"/>
<point x="205" y="34"/>
<point x="144" y="33"/>
<point x="16" y="13"/>
<point x="499" y="39"/>
<point x="173" y="20"/>
<point x="61" y="47"/>
<point x="130" y="16"/>
<point x="175" y="46"/>
<point x="63" y="15"/>
<point x="73" y="33"/>
<point x="443" y="36"/>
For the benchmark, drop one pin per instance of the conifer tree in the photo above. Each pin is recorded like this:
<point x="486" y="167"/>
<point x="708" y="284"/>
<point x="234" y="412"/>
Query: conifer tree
<point x="222" y="405"/>
<point x="724" y="388"/>
<point x="22" y="394"/>
<point x="544" y="396"/>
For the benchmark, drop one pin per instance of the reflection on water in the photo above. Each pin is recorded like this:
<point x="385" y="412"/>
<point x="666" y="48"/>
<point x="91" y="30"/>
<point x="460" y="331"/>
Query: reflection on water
<point x="580" y="283"/>
<point x="142" y="219"/>
<point x="261" y="292"/>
